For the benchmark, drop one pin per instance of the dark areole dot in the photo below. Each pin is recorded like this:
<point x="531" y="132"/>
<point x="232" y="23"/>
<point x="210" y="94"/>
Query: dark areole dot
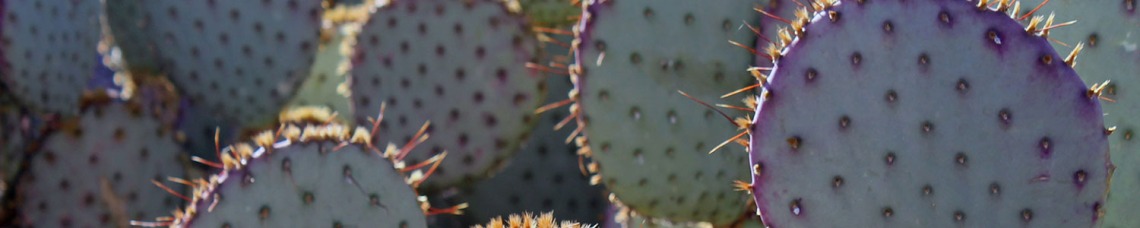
<point x="308" y="198"/>
<point x="1005" y="116"/>
<point x="1026" y="215"/>
<point x="992" y="35"/>
<point x="796" y="207"/>
<point x="794" y="142"/>
<point x="1080" y="177"/>
<point x="263" y="213"/>
<point x="962" y="86"/>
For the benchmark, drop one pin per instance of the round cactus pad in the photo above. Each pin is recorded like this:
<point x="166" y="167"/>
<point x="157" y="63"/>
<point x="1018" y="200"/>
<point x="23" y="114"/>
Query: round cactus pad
<point x="930" y="113"/>
<point x="652" y="144"/>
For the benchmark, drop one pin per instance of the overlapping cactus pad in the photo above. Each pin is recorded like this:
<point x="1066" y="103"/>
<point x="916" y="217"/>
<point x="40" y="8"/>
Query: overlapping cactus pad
<point x="650" y="142"/>
<point x="460" y="65"/>
<point x="929" y="113"/>
<point x="307" y="174"/>
<point x="240" y="59"/>
<point x="48" y="51"/>
<point x="98" y="170"/>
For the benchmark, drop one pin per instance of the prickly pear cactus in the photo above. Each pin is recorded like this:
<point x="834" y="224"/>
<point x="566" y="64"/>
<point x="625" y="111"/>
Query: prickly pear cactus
<point x="98" y="169"/>
<point x="1110" y="32"/>
<point x="319" y="175"/>
<point x="459" y="64"/>
<point x="650" y="142"/>
<point x="47" y="51"/>
<point x="240" y="59"/>
<point x="871" y="120"/>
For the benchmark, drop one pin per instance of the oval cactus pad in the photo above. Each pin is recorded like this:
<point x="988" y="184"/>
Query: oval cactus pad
<point x="651" y="143"/>
<point x="928" y="113"/>
<point x="322" y="174"/>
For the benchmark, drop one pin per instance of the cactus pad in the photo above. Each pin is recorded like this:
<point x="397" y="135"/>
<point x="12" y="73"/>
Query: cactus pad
<point x="459" y="64"/>
<point x="930" y="113"/>
<point x="1110" y="31"/>
<point x="319" y="175"/>
<point x="97" y="170"/>
<point x="652" y="143"/>
<point x="240" y="59"/>
<point x="47" y="51"/>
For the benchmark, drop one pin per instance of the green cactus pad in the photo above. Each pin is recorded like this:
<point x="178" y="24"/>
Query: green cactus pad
<point x="322" y="175"/>
<point x="651" y="142"/>
<point x="241" y="59"/>
<point x="326" y="85"/>
<point x="459" y="64"/>
<point x="97" y="170"/>
<point x="1110" y="32"/>
<point x="929" y="113"/>
<point x="48" y="51"/>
